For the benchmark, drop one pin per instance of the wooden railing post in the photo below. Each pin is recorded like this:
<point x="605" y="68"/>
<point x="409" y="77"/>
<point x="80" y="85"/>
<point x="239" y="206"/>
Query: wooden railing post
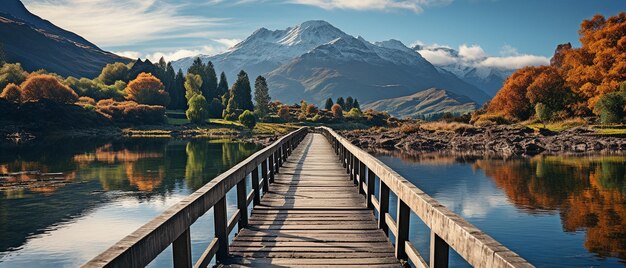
<point x="181" y="247"/>
<point x="277" y="159"/>
<point x="221" y="228"/>
<point x="439" y="251"/>
<point x="347" y="162"/>
<point x="343" y="156"/>
<point x="255" y="187"/>
<point x="402" y="222"/>
<point x="371" y="179"/>
<point x="264" y="176"/>
<point x="242" y="201"/>
<point x="362" y="177"/>
<point x="272" y="168"/>
<point x="383" y="199"/>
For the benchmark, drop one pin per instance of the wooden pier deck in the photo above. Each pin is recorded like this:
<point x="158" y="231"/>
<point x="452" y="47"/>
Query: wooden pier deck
<point x="314" y="199"/>
<point x="312" y="215"/>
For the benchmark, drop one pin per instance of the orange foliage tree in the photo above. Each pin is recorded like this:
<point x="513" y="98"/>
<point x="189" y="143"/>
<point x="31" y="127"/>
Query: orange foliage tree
<point x="511" y="100"/>
<point x="147" y="89"/>
<point x="11" y="93"/>
<point x="44" y="86"/>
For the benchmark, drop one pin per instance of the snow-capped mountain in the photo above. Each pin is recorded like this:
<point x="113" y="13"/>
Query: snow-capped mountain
<point x="265" y="50"/>
<point x="314" y="61"/>
<point x="488" y="79"/>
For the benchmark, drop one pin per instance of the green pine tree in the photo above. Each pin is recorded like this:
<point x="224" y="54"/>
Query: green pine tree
<point x="210" y="81"/>
<point x="329" y="104"/>
<point x="341" y="102"/>
<point x="349" y="104"/>
<point x="222" y="89"/>
<point x="261" y="97"/>
<point x="356" y="104"/>
<point x="240" y="95"/>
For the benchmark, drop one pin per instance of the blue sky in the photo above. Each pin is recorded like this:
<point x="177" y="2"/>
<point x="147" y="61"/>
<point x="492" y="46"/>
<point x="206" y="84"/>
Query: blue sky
<point x="178" y="28"/>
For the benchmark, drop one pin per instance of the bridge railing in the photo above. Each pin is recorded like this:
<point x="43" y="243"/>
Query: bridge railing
<point x="447" y="230"/>
<point x="172" y="227"/>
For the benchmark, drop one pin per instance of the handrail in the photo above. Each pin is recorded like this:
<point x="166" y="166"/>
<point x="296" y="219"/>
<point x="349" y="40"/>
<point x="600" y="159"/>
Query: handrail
<point x="172" y="226"/>
<point x="448" y="230"/>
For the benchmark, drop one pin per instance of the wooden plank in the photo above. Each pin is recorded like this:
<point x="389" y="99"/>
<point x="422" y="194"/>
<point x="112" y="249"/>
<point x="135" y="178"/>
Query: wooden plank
<point x="317" y="261"/>
<point x="207" y="255"/>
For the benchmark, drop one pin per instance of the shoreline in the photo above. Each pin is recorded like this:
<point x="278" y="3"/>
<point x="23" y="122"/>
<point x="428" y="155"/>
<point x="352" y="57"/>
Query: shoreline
<point x="491" y="142"/>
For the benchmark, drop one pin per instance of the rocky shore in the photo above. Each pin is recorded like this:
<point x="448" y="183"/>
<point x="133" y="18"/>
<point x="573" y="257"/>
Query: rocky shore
<point x="506" y="141"/>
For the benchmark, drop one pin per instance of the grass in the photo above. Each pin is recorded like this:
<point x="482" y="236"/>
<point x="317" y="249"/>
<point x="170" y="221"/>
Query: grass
<point x="557" y="126"/>
<point x="610" y="129"/>
<point x="445" y="126"/>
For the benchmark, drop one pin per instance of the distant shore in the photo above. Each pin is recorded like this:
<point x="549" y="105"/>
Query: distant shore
<point x="498" y="141"/>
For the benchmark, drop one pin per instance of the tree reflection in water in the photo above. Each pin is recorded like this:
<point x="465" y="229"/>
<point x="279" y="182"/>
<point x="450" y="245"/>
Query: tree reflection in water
<point x="86" y="170"/>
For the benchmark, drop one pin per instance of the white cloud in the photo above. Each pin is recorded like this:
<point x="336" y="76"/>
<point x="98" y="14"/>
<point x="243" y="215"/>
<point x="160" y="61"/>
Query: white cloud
<point x="128" y="54"/>
<point x="473" y="52"/>
<point x="514" y="62"/>
<point x="227" y="42"/>
<point x="416" y="6"/>
<point x="121" y="22"/>
<point x="172" y="55"/>
<point x="475" y="56"/>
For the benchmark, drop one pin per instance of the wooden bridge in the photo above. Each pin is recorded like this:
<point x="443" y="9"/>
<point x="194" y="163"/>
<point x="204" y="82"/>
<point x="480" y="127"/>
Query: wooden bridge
<point x="314" y="204"/>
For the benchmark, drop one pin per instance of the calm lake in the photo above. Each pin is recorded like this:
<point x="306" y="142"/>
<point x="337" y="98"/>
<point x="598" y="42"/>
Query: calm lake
<point x="64" y="202"/>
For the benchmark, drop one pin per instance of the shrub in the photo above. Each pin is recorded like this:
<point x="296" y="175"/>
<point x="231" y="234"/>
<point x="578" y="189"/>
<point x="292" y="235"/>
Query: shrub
<point x="147" y="89"/>
<point x="283" y="113"/>
<point x="215" y="108"/>
<point x="248" y="119"/>
<point x="543" y="113"/>
<point x="198" y="111"/>
<point x="131" y="112"/>
<point x="111" y="73"/>
<point x="337" y="110"/>
<point x="311" y="110"/>
<point x="86" y="101"/>
<point x="95" y="89"/>
<point x="354" y="113"/>
<point x="409" y="128"/>
<point x="610" y="107"/>
<point x="11" y="93"/>
<point x="230" y="116"/>
<point x="44" y="86"/>
<point x="376" y="118"/>
<point x="12" y="73"/>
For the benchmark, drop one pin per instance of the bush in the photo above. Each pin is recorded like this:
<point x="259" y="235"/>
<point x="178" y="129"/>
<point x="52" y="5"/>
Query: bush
<point x="11" y="93"/>
<point x="311" y="110"/>
<point x="248" y="119"/>
<point x="131" y="112"/>
<point x="147" y="89"/>
<point x="283" y="113"/>
<point x="12" y="73"/>
<point x="215" y="108"/>
<point x="376" y="118"/>
<point x="337" y="110"/>
<point x="44" y="86"/>
<point x="95" y="89"/>
<point x="198" y="111"/>
<point x="409" y="128"/>
<point x="543" y="113"/>
<point x="86" y="101"/>
<point x="354" y="113"/>
<point x="112" y="73"/>
<point x="610" y="107"/>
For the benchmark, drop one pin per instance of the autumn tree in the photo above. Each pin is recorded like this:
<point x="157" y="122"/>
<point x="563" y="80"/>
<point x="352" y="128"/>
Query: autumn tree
<point x="283" y="113"/>
<point x="12" y="73"/>
<point x="114" y="72"/>
<point x="11" y="93"/>
<point x="261" y="97"/>
<point x="147" y="89"/>
<point x="511" y="100"/>
<point x="337" y="111"/>
<point x="329" y="104"/>
<point x="548" y="88"/>
<point x="311" y="110"/>
<point x="44" y="86"/>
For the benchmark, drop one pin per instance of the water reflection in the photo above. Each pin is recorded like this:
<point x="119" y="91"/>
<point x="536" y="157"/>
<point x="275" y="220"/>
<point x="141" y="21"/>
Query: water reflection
<point x="53" y="194"/>
<point x="587" y="194"/>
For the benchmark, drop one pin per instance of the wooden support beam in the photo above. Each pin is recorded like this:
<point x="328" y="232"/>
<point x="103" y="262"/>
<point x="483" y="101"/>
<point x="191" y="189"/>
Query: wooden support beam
<point x="439" y="251"/>
<point x="181" y="248"/>
<point x="362" y="178"/>
<point x="383" y="198"/>
<point x="207" y="255"/>
<point x="256" y="186"/>
<point x="371" y="179"/>
<point x="242" y="203"/>
<point x="272" y="168"/>
<point x="403" y="222"/>
<point x="221" y="228"/>
<point x="264" y="175"/>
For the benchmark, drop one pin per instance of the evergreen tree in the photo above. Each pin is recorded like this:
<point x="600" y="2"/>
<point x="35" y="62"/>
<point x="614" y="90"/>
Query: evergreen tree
<point x="341" y="102"/>
<point x="349" y="104"/>
<point x="178" y="88"/>
<point x="222" y="87"/>
<point x="329" y="104"/>
<point x="240" y="95"/>
<point x="261" y="97"/>
<point x="356" y="104"/>
<point x="210" y="83"/>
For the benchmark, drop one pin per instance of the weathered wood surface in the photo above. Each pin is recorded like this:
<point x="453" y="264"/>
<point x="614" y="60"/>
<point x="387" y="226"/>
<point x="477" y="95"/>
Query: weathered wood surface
<point x="312" y="215"/>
